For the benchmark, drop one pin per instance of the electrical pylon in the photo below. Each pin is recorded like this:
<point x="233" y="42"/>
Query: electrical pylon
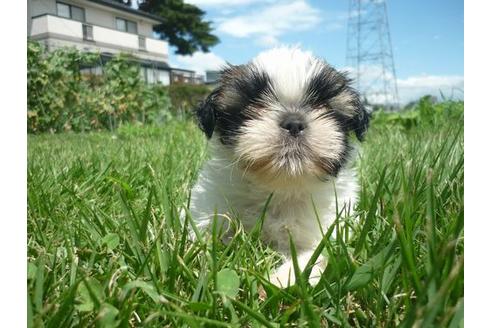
<point x="370" y="53"/>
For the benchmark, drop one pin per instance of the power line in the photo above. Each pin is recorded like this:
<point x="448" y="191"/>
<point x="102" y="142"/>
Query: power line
<point x="370" y="52"/>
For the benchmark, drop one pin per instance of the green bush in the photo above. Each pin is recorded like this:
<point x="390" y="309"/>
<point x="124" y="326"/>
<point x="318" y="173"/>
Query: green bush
<point x="185" y="97"/>
<point x="424" y="113"/>
<point x="60" y="98"/>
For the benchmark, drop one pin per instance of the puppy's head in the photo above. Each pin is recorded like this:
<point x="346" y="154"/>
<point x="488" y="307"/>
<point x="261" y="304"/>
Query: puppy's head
<point x="284" y="114"/>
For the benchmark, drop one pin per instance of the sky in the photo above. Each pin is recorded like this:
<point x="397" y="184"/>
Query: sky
<point x="427" y="38"/>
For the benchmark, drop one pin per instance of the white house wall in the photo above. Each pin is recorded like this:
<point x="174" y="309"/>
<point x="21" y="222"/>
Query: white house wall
<point x="60" y="26"/>
<point x="57" y="31"/>
<point x="157" y="46"/>
<point x="95" y="14"/>
<point x="109" y="36"/>
<point x="107" y="18"/>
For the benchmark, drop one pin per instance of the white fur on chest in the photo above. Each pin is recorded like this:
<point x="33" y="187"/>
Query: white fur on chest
<point x="224" y="189"/>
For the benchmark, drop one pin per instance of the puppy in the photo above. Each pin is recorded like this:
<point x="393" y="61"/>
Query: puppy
<point x="280" y="126"/>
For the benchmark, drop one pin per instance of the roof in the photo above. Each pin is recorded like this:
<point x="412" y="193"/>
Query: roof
<point x="182" y="70"/>
<point x="144" y="62"/>
<point x="128" y="9"/>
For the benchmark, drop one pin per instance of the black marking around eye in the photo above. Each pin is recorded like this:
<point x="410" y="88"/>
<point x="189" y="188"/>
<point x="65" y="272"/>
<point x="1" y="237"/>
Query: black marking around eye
<point x="347" y="110"/>
<point x="325" y="85"/>
<point x="251" y="85"/>
<point x="246" y="89"/>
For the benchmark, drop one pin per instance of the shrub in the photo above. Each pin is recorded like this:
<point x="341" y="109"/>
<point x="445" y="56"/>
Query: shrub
<point x="425" y="112"/>
<point x="60" y="98"/>
<point x="185" y="97"/>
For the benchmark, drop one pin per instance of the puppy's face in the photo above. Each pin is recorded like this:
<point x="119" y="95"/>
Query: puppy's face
<point x="285" y="114"/>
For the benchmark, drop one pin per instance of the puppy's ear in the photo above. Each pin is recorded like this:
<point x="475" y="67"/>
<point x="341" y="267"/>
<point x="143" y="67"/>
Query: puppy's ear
<point x="333" y="88"/>
<point x="360" y="121"/>
<point x="351" y="111"/>
<point x="206" y="112"/>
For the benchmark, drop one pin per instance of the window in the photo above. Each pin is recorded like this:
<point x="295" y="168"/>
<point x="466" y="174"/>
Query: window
<point x="153" y="75"/>
<point x="126" y="25"/>
<point x="92" y="70"/>
<point x="141" y="42"/>
<point x="77" y="13"/>
<point x="150" y="76"/>
<point x="63" y="10"/>
<point x="131" y="27"/>
<point x="70" y="11"/>
<point x="143" y="73"/>
<point x="120" y="24"/>
<point x="87" y="32"/>
<point x="163" y="77"/>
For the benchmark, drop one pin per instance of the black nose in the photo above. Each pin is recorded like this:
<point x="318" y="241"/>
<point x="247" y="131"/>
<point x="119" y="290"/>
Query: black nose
<point x="294" y="124"/>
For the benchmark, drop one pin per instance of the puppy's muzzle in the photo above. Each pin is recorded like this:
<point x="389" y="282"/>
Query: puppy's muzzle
<point x="294" y="123"/>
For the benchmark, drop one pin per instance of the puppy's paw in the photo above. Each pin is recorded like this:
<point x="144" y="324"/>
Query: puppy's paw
<point x="315" y="275"/>
<point x="284" y="276"/>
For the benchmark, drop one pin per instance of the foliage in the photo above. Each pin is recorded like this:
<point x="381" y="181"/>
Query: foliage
<point x="184" y="25"/>
<point x="106" y="246"/>
<point x="53" y="85"/>
<point x="61" y="98"/>
<point x="424" y="113"/>
<point x="185" y="97"/>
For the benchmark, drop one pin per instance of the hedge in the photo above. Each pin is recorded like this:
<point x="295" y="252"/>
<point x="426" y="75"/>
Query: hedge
<point x="61" y="98"/>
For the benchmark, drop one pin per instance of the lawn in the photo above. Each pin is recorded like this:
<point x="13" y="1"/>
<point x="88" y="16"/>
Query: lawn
<point x="106" y="247"/>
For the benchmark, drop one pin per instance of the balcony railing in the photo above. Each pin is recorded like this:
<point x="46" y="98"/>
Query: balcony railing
<point x="71" y="30"/>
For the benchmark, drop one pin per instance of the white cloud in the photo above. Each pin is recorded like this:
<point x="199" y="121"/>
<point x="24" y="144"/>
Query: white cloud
<point x="431" y="81"/>
<point x="414" y="87"/>
<point x="199" y="62"/>
<point x="221" y="3"/>
<point x="411" y="88"/>
<point x="268" y="23"/>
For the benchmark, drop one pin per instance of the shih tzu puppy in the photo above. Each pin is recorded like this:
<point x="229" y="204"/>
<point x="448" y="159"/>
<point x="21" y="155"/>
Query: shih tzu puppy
<point x="280" y="125"/>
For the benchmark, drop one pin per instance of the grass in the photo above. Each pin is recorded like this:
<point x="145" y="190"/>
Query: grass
<point x="106" y="248"/>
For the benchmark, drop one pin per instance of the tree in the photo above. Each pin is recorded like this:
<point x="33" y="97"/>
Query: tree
<point x="184" y="26"/>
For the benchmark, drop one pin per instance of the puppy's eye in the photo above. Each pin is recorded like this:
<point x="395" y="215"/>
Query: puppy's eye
<point x="324" y="86"/>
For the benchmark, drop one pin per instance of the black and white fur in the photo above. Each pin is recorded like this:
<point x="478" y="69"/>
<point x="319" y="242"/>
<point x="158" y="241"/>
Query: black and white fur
<point x="280" y="124"/>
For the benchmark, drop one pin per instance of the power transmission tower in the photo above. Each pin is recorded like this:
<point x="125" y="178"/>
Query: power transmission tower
<point x="370" y="53"/>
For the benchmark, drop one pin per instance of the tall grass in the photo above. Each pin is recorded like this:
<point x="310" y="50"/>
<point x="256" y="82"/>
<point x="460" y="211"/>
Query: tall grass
<point x="106" y="247"/>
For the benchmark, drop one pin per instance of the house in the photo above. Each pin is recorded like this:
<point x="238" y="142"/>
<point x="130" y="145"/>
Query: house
<point x="103" y="26"/>
<point x="212" y="77"/>
<point x="184" y="76"/>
